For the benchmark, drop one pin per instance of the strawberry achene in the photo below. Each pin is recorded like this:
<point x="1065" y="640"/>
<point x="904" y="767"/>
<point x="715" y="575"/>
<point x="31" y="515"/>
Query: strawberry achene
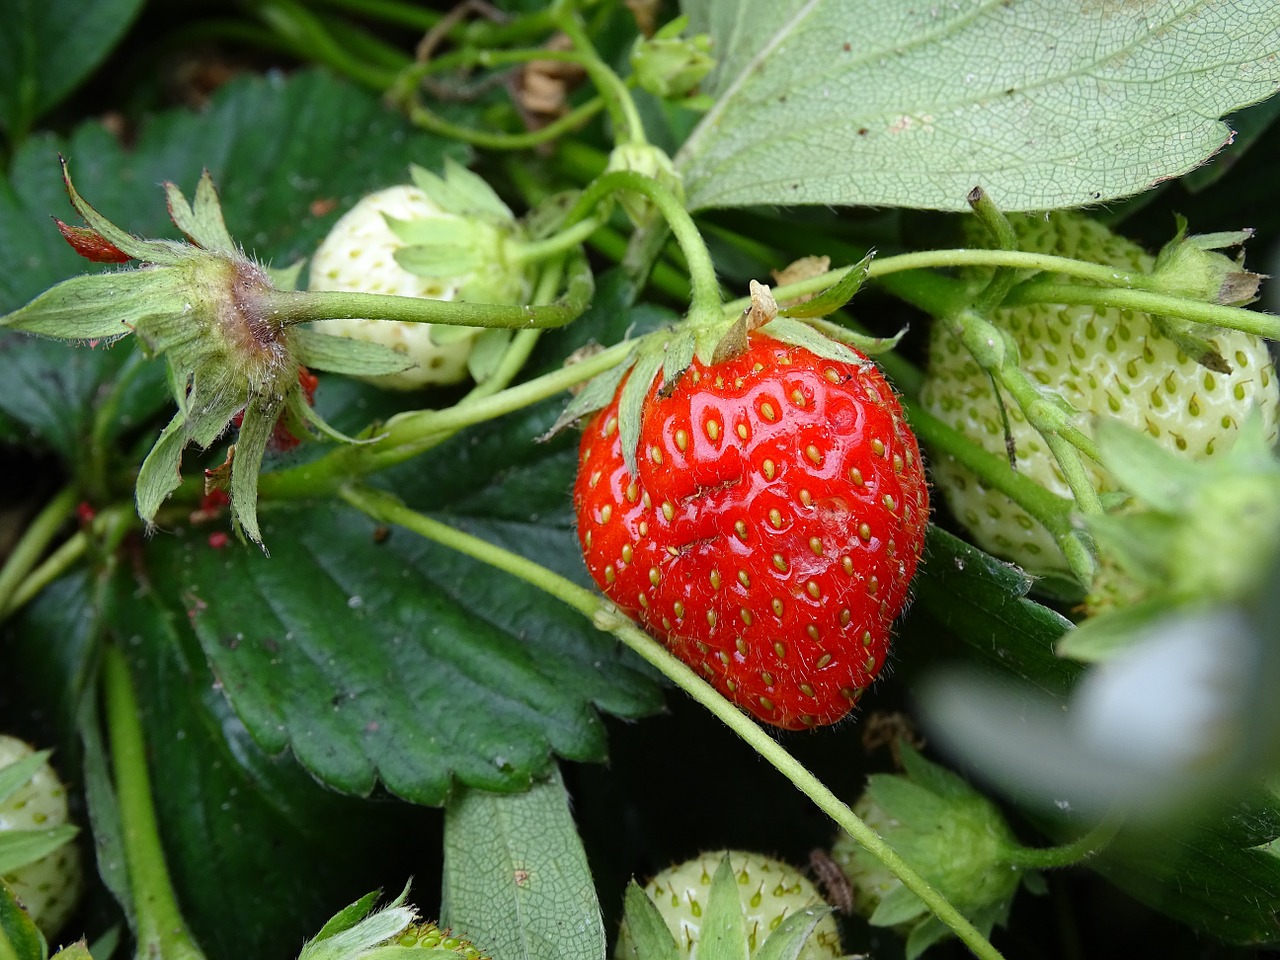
<point x="772" y="531"/>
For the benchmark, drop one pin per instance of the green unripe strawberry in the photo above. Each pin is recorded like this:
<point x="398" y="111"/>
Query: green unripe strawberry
<point x="950" y="833"/>
<point x="441" y="238"/>
<point x="1105" y="363"/>
<point x="769" y="891"/>
<point x="50" y="885"/>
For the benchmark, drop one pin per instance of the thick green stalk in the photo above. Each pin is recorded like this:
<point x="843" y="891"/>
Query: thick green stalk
<point x="605" y="616"/>
<point x="161" y="932"/>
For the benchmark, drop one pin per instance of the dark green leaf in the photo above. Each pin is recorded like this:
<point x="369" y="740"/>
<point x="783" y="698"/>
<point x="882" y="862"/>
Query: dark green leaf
<point x="516" y="880"/>
<point x="984" y="604"/>
<point x="215" y="789"/>
<point x="48" y="47"/>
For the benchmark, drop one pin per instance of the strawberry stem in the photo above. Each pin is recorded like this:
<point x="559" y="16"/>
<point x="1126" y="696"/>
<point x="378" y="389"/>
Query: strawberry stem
<point x="1088" y="845"/>
<point x="384" y="508"/>
<point x="33" y="543"/>
<point x="161" y="930"/>
<point x="705" y="301"/>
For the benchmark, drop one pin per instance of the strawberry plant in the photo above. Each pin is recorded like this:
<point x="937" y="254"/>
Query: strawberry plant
<point x="409" y="408"/>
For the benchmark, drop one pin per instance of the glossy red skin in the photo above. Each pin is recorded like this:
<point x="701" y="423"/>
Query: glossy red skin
<point x="659" y="549"/>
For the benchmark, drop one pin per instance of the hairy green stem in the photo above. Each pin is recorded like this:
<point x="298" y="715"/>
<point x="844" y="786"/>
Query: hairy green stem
<point x="705" y="305"/>
<point x="33" y="543"/>
<point x="605" y="616"/>
<point x="289" y="307"/>
<point x="161" y="930"/>
<point x="1068" y="854"/>
<point x="531" y="251"/>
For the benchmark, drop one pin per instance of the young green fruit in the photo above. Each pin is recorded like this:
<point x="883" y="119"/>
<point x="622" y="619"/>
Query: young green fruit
<point x="769" y="891"/>
<point x="35" y="811"/>
<point x="442" y="238"/>
<point x="950" y="833"/>
<point x="1113" y="363"/>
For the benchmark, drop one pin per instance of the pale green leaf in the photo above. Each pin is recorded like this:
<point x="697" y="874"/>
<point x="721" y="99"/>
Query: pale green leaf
<point x="516" y="880"/>
<point x="788" y="940"/>
<point x="676" y="360"/>
<point x="723" y="932"/>
<point x="355" y="358"/>
<point x="14" y="775"/>
<point x="99" y="306"/>
<point x="1042" y="104"/>
<point x="21" y="847"/>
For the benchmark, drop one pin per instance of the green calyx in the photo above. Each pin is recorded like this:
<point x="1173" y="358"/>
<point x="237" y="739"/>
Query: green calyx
<point x="952" y="834"/>
<point x="474" y="244"/>
<point x="202" y="305"/>
<point x="712" y="340"/>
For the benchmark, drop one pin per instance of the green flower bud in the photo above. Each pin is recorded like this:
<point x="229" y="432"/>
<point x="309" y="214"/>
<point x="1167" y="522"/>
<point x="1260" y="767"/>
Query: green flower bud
<point x="669" y="65"/>
<point x="652" y="162"/>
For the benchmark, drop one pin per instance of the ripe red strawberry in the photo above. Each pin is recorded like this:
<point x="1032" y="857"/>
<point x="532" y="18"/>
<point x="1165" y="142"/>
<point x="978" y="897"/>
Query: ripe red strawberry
<point x="774" y="527"/>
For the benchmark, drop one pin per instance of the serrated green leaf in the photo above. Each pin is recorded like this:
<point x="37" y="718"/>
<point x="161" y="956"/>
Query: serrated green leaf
<point x="215" y="788"/>
<point x="345" y="355"/>
<point x="631" y="403"/>
<point x="883" y="103"/>
<point x="462" y="675"/>
<point x="648" y="937"/>
<point x="20" y="939"/>
<point x="21" y="847"/>
<point x="15" y="774"/>
<point x="722" y="933"/>
<point x="835" y="296"/>
<point x="516" y="880"/>
<point x="790" y="936"/>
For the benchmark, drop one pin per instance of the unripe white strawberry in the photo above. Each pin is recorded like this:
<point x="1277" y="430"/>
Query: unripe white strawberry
<point x="1105" y="363"/>
<point x="770" y="891"/>
<point x="50" y="886"/>
<point x="447" y="238"/>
